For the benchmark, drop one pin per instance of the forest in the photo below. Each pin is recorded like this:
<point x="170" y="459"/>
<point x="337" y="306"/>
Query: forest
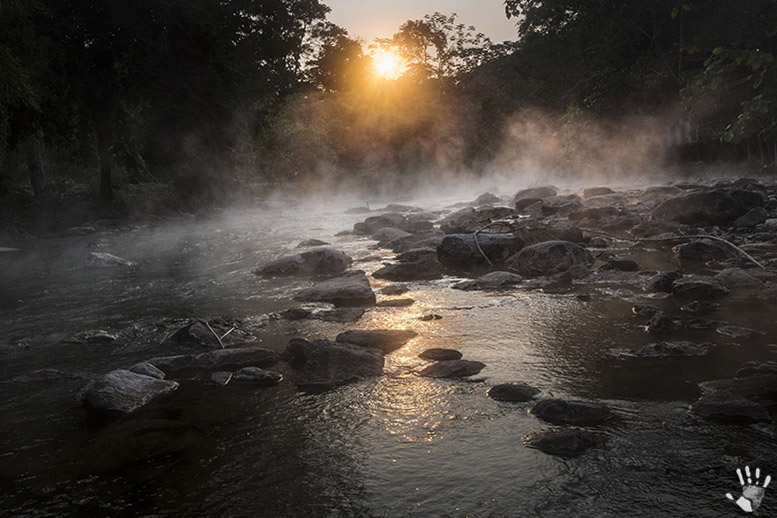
<point x="153" y="105"/>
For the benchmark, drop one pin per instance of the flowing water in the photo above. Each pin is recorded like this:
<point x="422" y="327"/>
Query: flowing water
<point x="398" y="445"/>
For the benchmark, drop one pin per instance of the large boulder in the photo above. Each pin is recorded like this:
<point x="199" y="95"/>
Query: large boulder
<point x="422" y="269"/>
<point x="384" y="340"/>
<point x="349" y="290"/>
<point x="123" y="391"/>
<point x="580" y="413"/>
<point x="325" y="365"/>
<point x="452" y="369"/>
<point x="549" y="258"/>
<point x="219" y="359"/>
<point x="319" y="261"/>
<point x="708" y="208"/>
<point x="460" y="251"/>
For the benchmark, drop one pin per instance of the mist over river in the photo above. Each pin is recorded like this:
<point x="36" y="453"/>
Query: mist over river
<point x="394" y="445"/>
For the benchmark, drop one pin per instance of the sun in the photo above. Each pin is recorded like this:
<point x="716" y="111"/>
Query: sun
<point x="388" y="64"/>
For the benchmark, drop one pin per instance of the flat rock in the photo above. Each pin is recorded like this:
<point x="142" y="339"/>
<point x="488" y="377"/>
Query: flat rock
<point x="417" y="254"/>
<point x="257" y="376"/>
<point x="325" y="365"/>
<point x="728" y="407"/>
<point x="147" y="369"/>
<point x="394" y="289"/>
<point x="423" y="269"/>
<point x="440" y="354"/>
<point x="549" y="258"/>
<point x="312" y="242"/>
<point x="349" y="290"/>
<point x="580" y="413"/>
<point x="460" y="251"/>
<point x="569" y="442"/>
<point x="698" y="287"/>
<point x="515" y="392"/>
<point x="122" y="391"/>
<point x="756" y="367"/>
<point x="452" y="369"/>
<point x="490" y="281"/>
<point x="677" y="349"/>
<point x="385" y="340"/>
<point x="761" y="388"/>
<point x="319" y="261"/>
<point x="219" y="359"/>
<point x="106" y="260"/>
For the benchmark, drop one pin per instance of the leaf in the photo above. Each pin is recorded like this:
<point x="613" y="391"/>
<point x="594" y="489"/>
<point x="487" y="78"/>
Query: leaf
<point x="675" y="12"/>
<point x="686" y="7"/>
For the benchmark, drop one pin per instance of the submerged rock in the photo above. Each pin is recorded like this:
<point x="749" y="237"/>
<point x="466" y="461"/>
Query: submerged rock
<point x="326" y="314"/>
<point x="423" y="269"/>
<point x="319" y="261"/>
<point x="122" y="391"/>
<point x="761" y="388"/>
<point x="394" y="303"/>
<point x="738" y="331"/>
<point x="385" y="340"/>
<point x="725" y="406"/>
<point x="452" y="369"/>
<point x="700" y="307"/>
<point x="581" y="413"/>
<point x="325" y="365"/>
<point x="440" y="354"/>
<point x="349" y="290"/>
<point x="92" y="336"/>
<point x="257" y="376"/>
<point x="754" y="367"/>
<point x="460" y="251"/>
<point x="394" y="289"/>
<point x="568" y="442"/>
<point x="549" y="258"/>
<point x="490" y="281"/>
<point x="105" y="260"/>
<point x="218" y="359"/>
<point x="664" y="350"/>
<point x="515" y="392"/>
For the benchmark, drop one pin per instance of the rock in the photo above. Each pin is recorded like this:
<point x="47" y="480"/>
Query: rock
<point x="487" y="199"/>
<point x="398" y="207"/>
<point x="661" y="282"/>
<point x="257" y="376"/>
<point x="349" y="290"/>
<point x="326" y="314"/>
<point x="395" y="303"/>
<point x="751" y="218"/>
<point x="621" y="263"/>
<point x="221" y="378"/>
<point x="559" y="205"/>
<point x="525" y="203"/>
<point x="599" y="242"/>
<point x="715" y="207"/>
<point x="440" y="354"/>
<point x="460" y="252"/>
<point x="464" y="221"/>
<point x="92" y="336"/>
<point x="514" y="392"/>
<point x="738" y="331"/>
<point x="533" y="234"/>
<point x="761" y="388"/>
<point x="754" y="367"/>
<point x="771" y="223"/>
<point x="388" y="234"/>
<point x="122" y="391"/>
<point x="423" y="269"/>
<point x="385" y="340"/>
<point x="80" y="231"/>
<point x="569" y="442"/>
<point x="218" y="359"/>
<point x="660" y="193"/>
<point x="594" y="213"/>
<point x="698" y="287"/>
<point x="312" y="242"/>
<point x="536" y="192"/>
<point x="147" y="369"/>
<point x="374" y="223"/>
<point x="452" y="369"/>
<point x="319" y="261"/>
<point x="198" y="333"/>
<point x="724" y="406"/>
<point x="549" y="258"/>
<point x="326" y="364"/>
<point x="426" y="239"/>
<point x="701" y="308"/>
<point x="644" y="310"/>
<point x="417" y="254"/>
<point x="580" y="413"/>
<point x="394" y="289"/>
<point x="597" y="191"/>
<point x="703" y="324"/>
<point x="702" y="250"/>
<point x="357" y="210"/>
<point x="105" y="260"/>
<point x="660" y="324"/>
<point x="430" y="316"/>
<point x="664" y="350"/>
<point x="490" y="281"/>
<point x="734" y="278"/>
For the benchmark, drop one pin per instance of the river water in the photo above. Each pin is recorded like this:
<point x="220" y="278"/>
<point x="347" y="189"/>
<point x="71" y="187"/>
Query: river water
<point x="398" y="445"/>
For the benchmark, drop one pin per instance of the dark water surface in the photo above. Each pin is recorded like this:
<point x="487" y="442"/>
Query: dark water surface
<point x="394" y="446"/>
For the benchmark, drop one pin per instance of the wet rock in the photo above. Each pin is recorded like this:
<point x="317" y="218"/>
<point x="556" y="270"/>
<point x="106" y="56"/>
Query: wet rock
<point x="738" y="331"/>
<point x="417" y="254"/>
<point x="312" y="242"/>
<point x="754" y="367"/>
<point x="580" y="413"/>
<point x="219" y="359"/>
<point x="701" y="308"/>
<point x="319" y="261"/>
<point x="426" y="239"/>
<point x="559" y="205"/>
<point x="569" y="442"/>
<point x="399" y="207"/>
<point x="387" y="235"/>
<point x="597" y="191"/>
<point x="198" y="333"/>
<point x="702" y="250"/>
<point x="147" y="369"/>
<point x="724" y="406"/>
<point x="606" y="200"/>
<point x="490" y="281"/>
<point x="221" y="378"/>
<point x="460" y="251"/>
<point x="644" y="310"/>
<point x="358" y="210"/>
<point x="325" y="365"/>
<point x="524" y="203"/>
<point x="464" y="221"/>
<point x="395" y="303"/>
<point x="452" y="369"/>
<point x="751" y="218"/>
<point x="349" y="290"/>
<point x="660" y="193"/>
<point x="394" y="289"/>
<point x="549" y="258"/>
<point x="715" y="207"/>
<point x="594" y="213"/>
<point x="698" y="287"/>
<point x="533" y="234"/>
<point x="761" y="388"/>
<point x="106" y="260"/>
<point x="599" y="242"/>
<point x="661" y="282"/>
<point x="661" y="324"/>
<point x="430" y="316"/>
<point x="440" y="354"/>
<point x="734" y="278"/>
<point x="704" y="324"/>
<point x="374" y="223"/>
<point x="326" y="314"/>
<point x="84" y="230"/>
<point x="92" y="336"/>
<point x="620" y="263"/>
<point x="487" y="199"/>
<point x="385" y="340"/>
<point x="664" y="350"/>
<point x="514" y="392"/>
<point x="536" y="192"/>
<point x="257" y="376"/>
<point x="423" y="269"/>
<point x="122" y="391"/>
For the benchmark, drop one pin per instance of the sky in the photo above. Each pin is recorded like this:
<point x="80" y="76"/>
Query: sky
<point x="369" y="19"/>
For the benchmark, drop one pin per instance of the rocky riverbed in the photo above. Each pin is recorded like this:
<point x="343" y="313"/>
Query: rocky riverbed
<point x="567" y="351"/>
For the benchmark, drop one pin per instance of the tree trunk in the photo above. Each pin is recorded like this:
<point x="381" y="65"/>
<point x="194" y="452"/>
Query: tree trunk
<point x="106" y="164"/>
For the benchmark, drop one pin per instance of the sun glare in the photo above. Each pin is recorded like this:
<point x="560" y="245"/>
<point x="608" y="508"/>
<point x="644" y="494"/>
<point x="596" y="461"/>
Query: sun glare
<point x="388" y="64"/>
